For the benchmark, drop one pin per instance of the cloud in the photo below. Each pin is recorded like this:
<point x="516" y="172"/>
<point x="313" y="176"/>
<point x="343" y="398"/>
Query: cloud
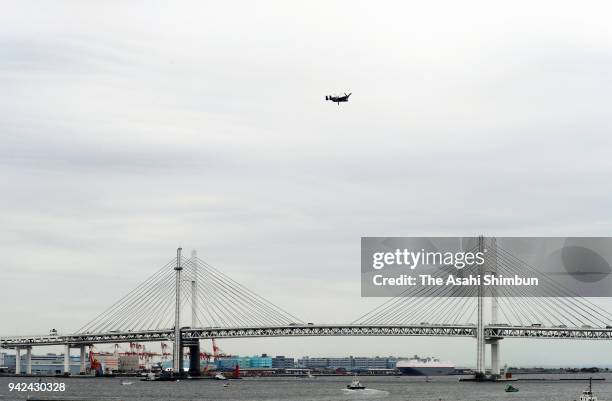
<point x="126" y="130"/>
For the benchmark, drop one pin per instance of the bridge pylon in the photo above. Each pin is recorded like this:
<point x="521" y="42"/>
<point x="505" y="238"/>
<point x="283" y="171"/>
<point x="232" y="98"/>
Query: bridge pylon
<point x="489" y="267"/>
<point x="480" y="332"/>
<point x="492" y="264"/>
<point x="177" y="360"/>
<point x="194" y="344"/>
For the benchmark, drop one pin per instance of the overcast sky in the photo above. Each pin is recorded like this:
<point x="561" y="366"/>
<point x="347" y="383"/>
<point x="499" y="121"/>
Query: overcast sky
<point x="129" y="128"/>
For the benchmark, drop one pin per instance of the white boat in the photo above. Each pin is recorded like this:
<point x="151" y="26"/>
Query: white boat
<point x="226" y="384"/>
<point x="311" y="376"/>
<point x="355" y="385"/>
<point x="124" y="383"/>
<point x="219" y="376"/>
<point x="587" y="394"/>
<point x="149" y="377"/>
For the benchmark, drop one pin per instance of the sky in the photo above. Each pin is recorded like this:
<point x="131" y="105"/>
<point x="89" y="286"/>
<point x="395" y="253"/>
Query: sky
<point x="129" y="128"/>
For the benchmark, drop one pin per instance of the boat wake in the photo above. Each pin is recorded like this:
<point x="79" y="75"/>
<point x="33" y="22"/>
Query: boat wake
<point x="368" y="392"/>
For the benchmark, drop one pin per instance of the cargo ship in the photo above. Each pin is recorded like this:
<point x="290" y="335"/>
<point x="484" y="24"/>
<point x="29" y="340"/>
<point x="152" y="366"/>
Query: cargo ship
<point x="424" y="367"/>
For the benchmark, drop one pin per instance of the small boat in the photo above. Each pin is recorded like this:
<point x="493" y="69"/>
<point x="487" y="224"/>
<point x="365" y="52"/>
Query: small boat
<point x="149" y="377"/>
<point x="355" y="385"/>
<point x="226" y="384"/>
<point x="587" y="395"/>
<point x="124" y="383"/>
<point x="511" y="389"/>
<point x="311" y="376"/>
<point x="219" y="376"/>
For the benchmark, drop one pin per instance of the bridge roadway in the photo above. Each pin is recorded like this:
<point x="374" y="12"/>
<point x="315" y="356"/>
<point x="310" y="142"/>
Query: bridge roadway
<point x="492" y="332"/>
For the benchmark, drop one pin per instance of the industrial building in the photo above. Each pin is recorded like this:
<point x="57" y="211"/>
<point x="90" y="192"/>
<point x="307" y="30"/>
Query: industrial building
<point x="282" y="362"/>
<point x="49" y="364"/>
<point x="53" y="364"/>
<point x="129" y="363"/>
<point x="245" y="362"/>
<point x="3" y="367"/>
<point x="229" y="363"/>
<point x="348" y="363"/>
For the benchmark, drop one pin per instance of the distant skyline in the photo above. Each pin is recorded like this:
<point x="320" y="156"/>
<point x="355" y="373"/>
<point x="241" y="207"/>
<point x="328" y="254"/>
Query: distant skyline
<point x="331" y="356"/>
<point x="130" y="128"/>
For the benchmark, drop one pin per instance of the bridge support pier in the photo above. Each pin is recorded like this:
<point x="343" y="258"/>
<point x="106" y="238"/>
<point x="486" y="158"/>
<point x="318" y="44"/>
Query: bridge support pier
<point x="495" y="357"/>
<point x="82" y="360"/>
<point x="194" y="356"/>
<point x="29" y="360"/>
<point x="67" y="359"/>
<point x="177" y="357"/>
<point x="17" y="360"/>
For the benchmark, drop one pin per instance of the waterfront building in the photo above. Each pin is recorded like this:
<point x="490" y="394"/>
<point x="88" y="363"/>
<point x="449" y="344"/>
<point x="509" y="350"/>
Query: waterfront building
<point x="129" y="363"/>
<point x="374" y="363"/>
<point x="245" y="362"/>
<point x="260" y="362"/>
<point x="313" y="363"/>
<point x="231" y="362"/>
<point x="282" y="362"/>
<point x="3" y="367"/>
<point x="348" y="363"/>
<point x="49" y="364"/>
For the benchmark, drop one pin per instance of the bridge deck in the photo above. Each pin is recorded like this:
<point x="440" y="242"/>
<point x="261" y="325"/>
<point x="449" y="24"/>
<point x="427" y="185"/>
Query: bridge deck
<point x="491" y="332"/>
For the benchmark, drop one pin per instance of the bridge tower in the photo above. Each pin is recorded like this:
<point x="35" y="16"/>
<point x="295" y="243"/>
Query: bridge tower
<point x="194" y="344"/>
<point x="492" y="256"/>
<point x="177" y="358"/>
<point x="489" y="267"/>
<point x="194" y="288"/>
<point x="480" y="337"/>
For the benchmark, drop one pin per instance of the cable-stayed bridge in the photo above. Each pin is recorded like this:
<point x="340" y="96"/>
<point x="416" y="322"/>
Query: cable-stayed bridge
<point x="188" y="300"/>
